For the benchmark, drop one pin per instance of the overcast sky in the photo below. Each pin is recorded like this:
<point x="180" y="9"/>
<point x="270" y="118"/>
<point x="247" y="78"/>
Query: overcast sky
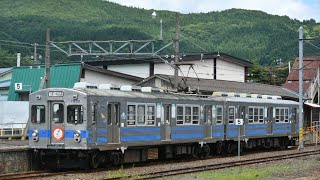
<point x="299" y="9"/>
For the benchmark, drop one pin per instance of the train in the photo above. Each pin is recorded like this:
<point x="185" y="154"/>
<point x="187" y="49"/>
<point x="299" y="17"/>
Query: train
<point x="94" y="125"/>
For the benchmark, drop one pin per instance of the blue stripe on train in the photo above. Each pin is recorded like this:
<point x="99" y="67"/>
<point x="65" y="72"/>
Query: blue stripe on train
<point x="102" y="140"/>
<point x="217" y="134"/>
<point x="140" y="138"/>
<point x="187" y="136"/>
<point x="68" y="133"/>
<point x="281" y="131"/>
<point x="133" y="129"/>
<point x="187" y="128"/>
<point x="256" y="132"/>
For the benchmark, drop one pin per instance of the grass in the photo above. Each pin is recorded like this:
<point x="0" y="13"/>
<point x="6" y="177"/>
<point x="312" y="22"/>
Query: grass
<point x="244" y="173"/>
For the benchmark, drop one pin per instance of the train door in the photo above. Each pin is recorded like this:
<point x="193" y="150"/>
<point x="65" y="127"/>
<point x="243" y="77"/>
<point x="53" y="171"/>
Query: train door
<point x="293" y="120"/>
<point x="208" y="121"/>
<point x="165" y="125"/>
<point x="269" y="120"/>
<point x="113" y="122"/>
<point x="242" y="115"/>
<point x="57" y="118"/>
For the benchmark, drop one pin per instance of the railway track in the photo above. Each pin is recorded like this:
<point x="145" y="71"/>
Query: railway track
<point x="33" y="174"/>
<point x="173" y="172"/>
<point x="161" y="174"/>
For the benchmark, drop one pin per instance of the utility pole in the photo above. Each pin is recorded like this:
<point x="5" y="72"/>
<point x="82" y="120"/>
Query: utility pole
<point x="35" y="52"/>
<point x="47" y="74"/>
<point x="176" y="72"/>
<point x="300" y="88"/>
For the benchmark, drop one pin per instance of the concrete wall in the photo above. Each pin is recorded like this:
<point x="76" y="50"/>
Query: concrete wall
<point x="101" y="78"/>
<point x="15" y="160"/>
<point x="138" y="70"/>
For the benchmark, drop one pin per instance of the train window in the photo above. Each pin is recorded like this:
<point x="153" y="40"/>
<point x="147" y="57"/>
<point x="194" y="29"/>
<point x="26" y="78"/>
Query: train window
<point x="208" y="114"/>
<point x="75" y="114"/>
<point x="116" y="114"/>
<point x="187" y="117"/>
<point x="131" y="115"/>
<point x="282" y="115"/>
<point x="180" y="115"/>
<point x="219" y="114"/>
<point x="38" y="114"/>
<point x="141" y="115"/>
<point x="109" y="114"/>
<point x="256" y="115"/>
<point x="294" y="114"/>
<point x="58" y="113"/>
<point x="151" y="115"/>
<point x="195" y="115"/>
<point x="231" y="114"/>
<point x="93" y="113"/>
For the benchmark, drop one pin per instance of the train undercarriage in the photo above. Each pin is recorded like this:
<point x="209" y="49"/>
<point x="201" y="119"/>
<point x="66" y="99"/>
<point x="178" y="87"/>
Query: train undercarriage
<point x="90" y="159"/>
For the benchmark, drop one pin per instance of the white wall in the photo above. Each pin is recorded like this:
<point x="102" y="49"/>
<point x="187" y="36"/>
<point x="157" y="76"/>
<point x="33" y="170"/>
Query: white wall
<point x="204" y="69"/>
<point x="100" y="78"/>
<point x="13" y="112"/>
<point x="229" y="71"/>
<point x="138" y="70"/>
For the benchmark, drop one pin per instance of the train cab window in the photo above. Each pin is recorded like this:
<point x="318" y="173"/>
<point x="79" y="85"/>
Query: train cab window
<point x="219" y="115"/>
<point x="75" y="114"/>
<point x="256" y="115"/>
<point x="116" y="114"/>
<point x="282" y="115"/>
<point x="179" y="114"/>
<point x="231" y="114"/>
<point x="38" y="114"/>
<point x="141" y="115"/>
<point x="151" y="115"/>
<point x="58" y="113"/>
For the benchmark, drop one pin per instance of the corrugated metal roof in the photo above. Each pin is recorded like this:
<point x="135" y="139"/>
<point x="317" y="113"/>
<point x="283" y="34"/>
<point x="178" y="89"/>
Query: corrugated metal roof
<point x="311" y="65"/>
<point x="210" y="85"/>
<point x="5" y="83"/>
<point x="4" y="70"/>
<point x="61" y="75"/>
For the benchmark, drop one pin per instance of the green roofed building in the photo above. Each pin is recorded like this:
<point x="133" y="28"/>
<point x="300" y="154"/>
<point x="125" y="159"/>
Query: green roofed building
<point x="63" y="76"/>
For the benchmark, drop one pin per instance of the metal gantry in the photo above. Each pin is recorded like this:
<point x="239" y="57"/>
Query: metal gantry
<point x="102" y="48"/>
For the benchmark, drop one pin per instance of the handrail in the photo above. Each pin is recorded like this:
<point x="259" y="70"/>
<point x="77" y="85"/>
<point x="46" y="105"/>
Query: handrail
<point x="12" y="129"/>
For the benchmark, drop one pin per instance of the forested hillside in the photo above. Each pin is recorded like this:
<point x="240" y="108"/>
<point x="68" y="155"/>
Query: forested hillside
<point x="253" y="35"/>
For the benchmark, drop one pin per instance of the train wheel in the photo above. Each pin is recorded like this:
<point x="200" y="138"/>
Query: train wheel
<point x="219" y="148"/>
<point x="94" y="160"/>
<point x="195" y="151"/>
<point x="115" y="158"/>
<point x="230" y="147"/>
<point x="205" y="151"/>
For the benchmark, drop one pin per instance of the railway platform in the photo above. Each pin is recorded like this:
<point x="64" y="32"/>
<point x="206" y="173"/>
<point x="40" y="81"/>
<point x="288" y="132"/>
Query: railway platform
<point x="15" y="156"/>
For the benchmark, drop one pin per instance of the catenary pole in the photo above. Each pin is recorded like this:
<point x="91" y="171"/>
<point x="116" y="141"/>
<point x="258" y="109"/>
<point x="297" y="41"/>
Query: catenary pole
<point x="300" y="88"/>
<point x="47" y="75"/>
<point x="177" y="52"/>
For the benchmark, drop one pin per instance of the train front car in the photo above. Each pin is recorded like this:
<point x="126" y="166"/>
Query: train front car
<point x="58" y="127"/>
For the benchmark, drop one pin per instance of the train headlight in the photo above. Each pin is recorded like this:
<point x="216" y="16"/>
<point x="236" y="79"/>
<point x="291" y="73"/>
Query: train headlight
<point x="77" y="136"/>
<point x="34" y="133"/>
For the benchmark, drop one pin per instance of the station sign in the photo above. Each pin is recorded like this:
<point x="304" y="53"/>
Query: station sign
<point x="18" y="86"/>
<point x="239" y="122"/>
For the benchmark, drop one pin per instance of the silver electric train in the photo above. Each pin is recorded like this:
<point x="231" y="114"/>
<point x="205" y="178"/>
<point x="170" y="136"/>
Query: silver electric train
<point x="89" y="126"/>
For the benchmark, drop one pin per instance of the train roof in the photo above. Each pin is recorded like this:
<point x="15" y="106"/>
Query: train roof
<point x="173" y="96"/>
